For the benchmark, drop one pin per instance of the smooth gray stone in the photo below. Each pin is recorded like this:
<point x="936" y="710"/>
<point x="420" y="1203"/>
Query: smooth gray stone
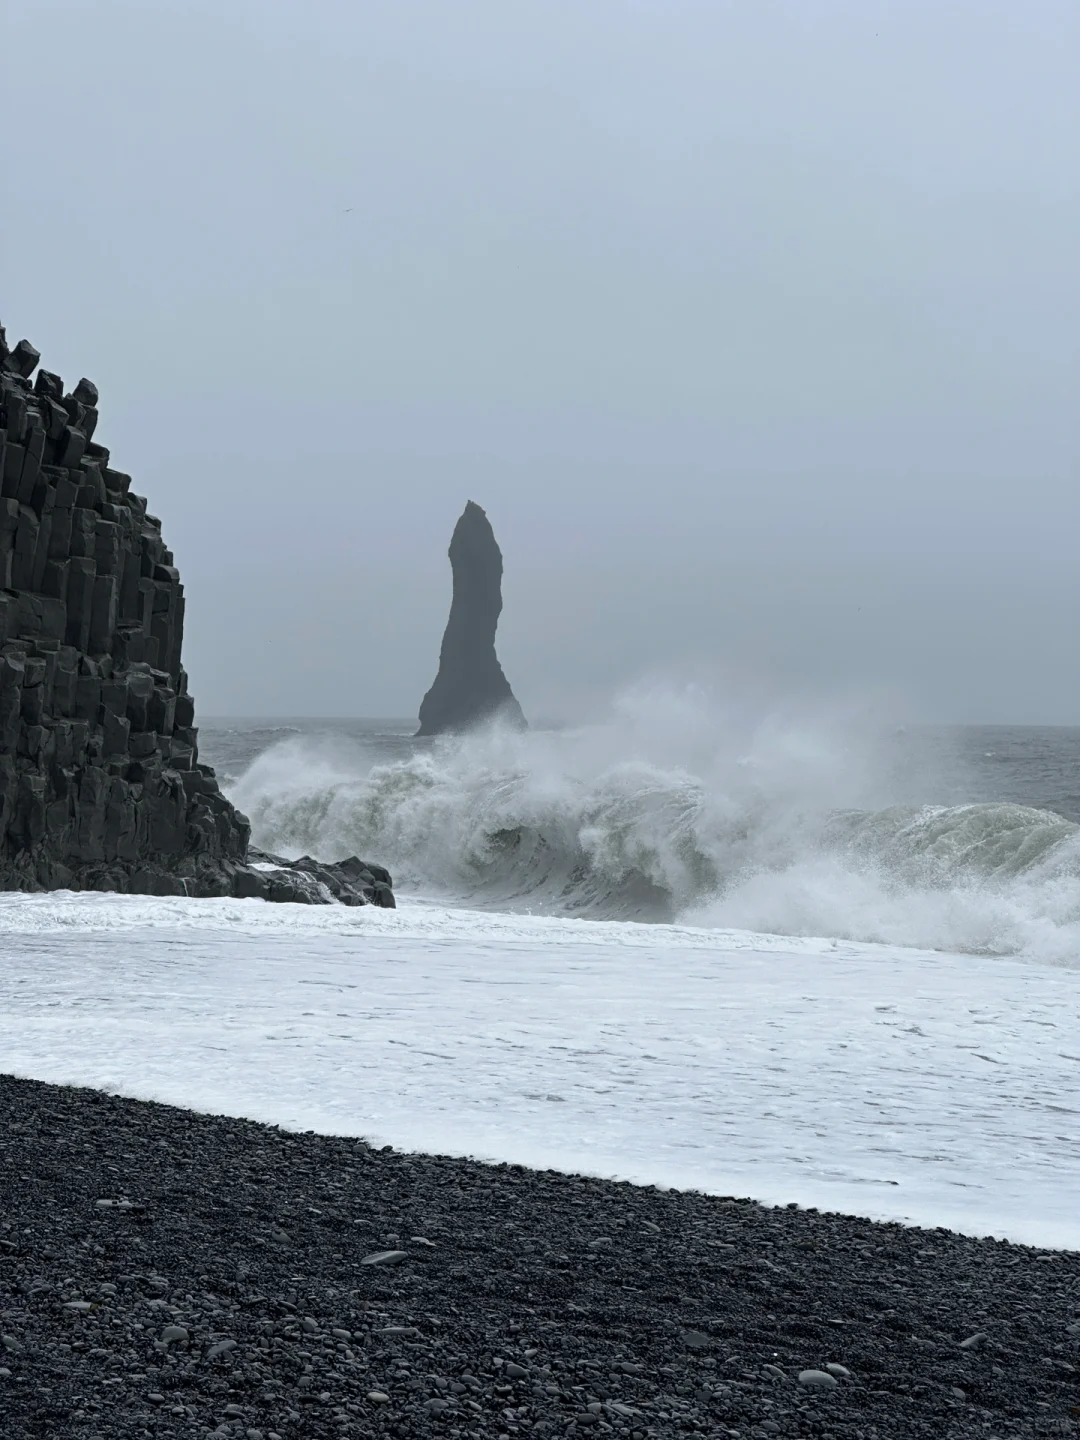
<point x="385" y="1257"/>
<point x="817" y="1380"/>
<point x="696" y="1339"/>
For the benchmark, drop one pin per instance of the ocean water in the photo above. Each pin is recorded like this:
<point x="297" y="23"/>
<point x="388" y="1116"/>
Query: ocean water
<point x="804" y="960"/>
<point x="950" y="839"/>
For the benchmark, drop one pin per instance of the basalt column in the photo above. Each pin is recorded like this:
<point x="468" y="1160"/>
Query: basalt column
<point x="100" y="781"/>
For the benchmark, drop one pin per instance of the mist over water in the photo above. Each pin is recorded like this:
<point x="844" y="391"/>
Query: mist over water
<point x="811" y="823"/>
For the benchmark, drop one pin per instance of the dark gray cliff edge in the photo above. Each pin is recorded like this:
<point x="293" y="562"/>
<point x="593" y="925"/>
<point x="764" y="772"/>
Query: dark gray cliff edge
<point x="470" y="687"/>
<point x="100" y="782"/>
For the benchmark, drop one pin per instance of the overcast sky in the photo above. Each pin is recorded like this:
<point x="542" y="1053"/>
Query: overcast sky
<point x="754" y="327"/>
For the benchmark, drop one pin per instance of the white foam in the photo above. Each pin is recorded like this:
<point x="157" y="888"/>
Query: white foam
<point x="669" y="813"/>
<point x="933" y="1088"/>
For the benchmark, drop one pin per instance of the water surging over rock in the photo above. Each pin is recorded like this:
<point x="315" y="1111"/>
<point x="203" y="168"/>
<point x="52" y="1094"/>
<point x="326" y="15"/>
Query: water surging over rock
<point x="777" y="833"/>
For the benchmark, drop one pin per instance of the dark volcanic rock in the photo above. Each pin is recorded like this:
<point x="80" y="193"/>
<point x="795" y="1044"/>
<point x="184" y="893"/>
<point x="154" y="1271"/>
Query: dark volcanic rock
<point x="171" y="1274"/>
<point x="351" y="881"/>
<point x="100" y="782"/>
<point x="470" y="686"/>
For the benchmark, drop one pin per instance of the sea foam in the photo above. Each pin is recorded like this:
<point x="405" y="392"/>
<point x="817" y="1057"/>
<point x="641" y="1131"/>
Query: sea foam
<point x="669" y="813"/>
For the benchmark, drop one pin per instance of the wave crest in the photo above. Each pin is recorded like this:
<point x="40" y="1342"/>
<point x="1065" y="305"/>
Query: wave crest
<point x="630" y="821"/>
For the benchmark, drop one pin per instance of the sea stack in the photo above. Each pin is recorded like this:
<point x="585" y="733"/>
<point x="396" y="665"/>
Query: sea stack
<point x="100" y="782"/>
<point x="470" y="686"/>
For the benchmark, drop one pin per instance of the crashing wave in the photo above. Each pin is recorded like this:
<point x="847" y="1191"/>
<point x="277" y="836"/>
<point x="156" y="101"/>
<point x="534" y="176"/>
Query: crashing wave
<point x="603" y="822"/>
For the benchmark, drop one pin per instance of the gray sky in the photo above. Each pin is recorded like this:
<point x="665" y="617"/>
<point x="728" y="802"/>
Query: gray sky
<point x="755" y="328"/>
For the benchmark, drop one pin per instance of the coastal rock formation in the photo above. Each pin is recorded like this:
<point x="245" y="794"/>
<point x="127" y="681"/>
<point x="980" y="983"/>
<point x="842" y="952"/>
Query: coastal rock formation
<point x="100" y="782"/>
<point x="470" y="686"/>
<point x="350" y="882"/>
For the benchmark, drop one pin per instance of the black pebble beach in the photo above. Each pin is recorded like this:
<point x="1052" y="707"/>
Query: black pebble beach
<point x="170" y="1274"/>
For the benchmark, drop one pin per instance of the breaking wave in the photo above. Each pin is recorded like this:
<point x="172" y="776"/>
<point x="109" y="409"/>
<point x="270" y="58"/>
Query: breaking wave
<point x="666" y="814"/>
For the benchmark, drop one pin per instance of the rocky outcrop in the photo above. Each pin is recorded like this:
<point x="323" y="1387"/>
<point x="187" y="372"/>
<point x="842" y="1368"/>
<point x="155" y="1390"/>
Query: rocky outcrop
<point x="349" y="882"/>
<point x="100" y="782"/>
<point x="470" y="686"/>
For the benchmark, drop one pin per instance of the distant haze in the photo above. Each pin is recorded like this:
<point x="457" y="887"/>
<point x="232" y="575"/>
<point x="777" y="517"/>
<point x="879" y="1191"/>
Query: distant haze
<point x="754" y="327"/>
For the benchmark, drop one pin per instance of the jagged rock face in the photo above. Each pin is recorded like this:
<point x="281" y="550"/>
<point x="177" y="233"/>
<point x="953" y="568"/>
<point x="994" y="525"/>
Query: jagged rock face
<point x="470" y="686"/>
<point x="100" y="783"/>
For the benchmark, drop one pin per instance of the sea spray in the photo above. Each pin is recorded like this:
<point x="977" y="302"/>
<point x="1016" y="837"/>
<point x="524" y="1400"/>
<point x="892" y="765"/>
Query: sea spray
<point x="673" y="812"/>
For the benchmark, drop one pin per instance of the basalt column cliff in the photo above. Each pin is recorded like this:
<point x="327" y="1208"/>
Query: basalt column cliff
<point x="100" y="784"/>
<point x="470" y="686"/>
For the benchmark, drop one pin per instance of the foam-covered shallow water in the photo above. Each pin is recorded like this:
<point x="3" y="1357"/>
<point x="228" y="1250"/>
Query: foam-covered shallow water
<point x="960" y="841"/>
<point x="933" y="1088"/>
<point x="859" y="986"/>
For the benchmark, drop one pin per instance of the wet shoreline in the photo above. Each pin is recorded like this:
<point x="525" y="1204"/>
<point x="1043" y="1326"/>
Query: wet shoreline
<point x="170" y="1274"/>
